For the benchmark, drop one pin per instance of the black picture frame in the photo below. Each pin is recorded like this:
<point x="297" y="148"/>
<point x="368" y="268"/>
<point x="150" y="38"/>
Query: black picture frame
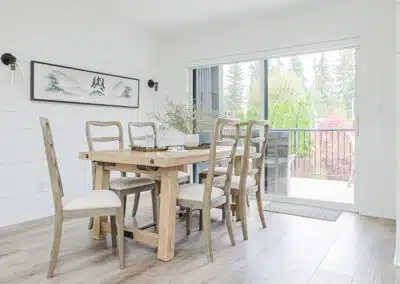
<point x="33" y="96"/>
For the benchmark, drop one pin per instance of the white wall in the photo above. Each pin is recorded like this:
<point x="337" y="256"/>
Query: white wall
<point x="372" y="21"/>
<point x="61" y="33"/>
<point x="397" y="256"/>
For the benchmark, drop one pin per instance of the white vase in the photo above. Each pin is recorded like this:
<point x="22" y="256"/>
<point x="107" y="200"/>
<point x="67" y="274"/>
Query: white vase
<point x="191" y="140"/>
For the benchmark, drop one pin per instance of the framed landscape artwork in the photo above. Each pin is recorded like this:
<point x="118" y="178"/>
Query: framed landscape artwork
<point x="56" y="83"/>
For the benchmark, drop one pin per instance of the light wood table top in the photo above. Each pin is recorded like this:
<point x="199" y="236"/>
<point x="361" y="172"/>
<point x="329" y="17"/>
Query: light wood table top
<point x="164" y="159"/>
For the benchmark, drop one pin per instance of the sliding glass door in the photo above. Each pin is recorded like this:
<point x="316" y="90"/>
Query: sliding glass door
<point x="207" y="95"/>
<point x="309" y="102"/>
<point x="311" y="109"/>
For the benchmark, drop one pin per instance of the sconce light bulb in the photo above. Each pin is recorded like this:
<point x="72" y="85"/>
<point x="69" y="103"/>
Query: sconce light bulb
<point x="12" y="76"/>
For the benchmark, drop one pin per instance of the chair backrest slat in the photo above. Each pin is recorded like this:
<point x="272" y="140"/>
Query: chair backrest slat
<point x="255" y="155"/>
<point x="54" y="172"/>
<point x="259" y="155"/>
<point x="133" y="138"/>
<point x="90" y="139"/>
<point x="214" y="158"/>
<point x="105" y="139"/>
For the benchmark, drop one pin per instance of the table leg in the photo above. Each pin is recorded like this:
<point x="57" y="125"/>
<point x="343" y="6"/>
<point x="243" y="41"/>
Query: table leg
<point x="167" y="221"/>
<point x="102" y="181"/>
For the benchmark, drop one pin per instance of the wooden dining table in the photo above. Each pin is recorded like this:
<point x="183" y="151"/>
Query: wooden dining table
<point x="165" y="164"/>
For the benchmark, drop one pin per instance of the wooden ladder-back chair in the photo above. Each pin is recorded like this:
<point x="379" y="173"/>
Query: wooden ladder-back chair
<point x="183" y="177"/>
<point x="124" y="185"/>
<point x="206" y="196"/>
<point x="94" y="203"/>
<point x="249" y="181"/>
<point x="226" y="132"/>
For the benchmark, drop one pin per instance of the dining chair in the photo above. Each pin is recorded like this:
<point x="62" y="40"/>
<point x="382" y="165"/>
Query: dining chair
<point x="249" y="181"/>
<point x="206" y="196"/>
<point x="135" y="137"/>
<point x="94" y="203"/>
<point x="220" y="169"/>
<point x="124" y="185"/>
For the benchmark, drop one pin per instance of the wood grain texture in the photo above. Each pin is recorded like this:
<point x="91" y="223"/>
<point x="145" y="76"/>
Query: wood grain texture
<point x="156" y="159"/>
<point x="290" y="250"/>
<point x="63" y="212"/>
<point x="207" y="202"/>
<point x="166" y="222"/>
<point x="122" y="189"/>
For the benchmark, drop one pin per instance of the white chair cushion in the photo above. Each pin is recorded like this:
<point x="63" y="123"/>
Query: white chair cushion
<point x="95" y="199"/>
<point x="235" y="183"/>
<point x="194" y="191"/>
<point x="218" y="170"/>
<point x="121" y="183"/>
<point x="182" y="177"/>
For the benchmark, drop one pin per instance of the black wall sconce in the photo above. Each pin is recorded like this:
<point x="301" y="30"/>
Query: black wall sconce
<point x="152" y="84"/>
<point x="9" y="60"/>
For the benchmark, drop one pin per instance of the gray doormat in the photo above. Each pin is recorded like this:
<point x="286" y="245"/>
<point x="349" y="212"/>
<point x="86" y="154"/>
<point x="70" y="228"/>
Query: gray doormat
<point x="303" y="211"/>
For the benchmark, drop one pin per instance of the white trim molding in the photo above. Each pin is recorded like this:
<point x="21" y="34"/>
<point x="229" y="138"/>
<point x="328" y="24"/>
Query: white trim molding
<point x="277" y="52"/>
<point x="396" y="261"/>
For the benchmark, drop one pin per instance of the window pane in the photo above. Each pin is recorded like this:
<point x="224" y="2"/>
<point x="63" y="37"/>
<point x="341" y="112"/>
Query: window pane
<point x="241" y="83"/>
<point x="311" y="100"/>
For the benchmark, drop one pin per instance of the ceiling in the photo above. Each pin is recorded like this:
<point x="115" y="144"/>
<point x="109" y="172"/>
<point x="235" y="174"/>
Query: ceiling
<point x="165" y="15"/>
<point x="158" y="15"/>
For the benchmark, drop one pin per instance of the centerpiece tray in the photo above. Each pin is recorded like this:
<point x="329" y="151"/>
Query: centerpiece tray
<point x="166" y="148"/>
<point x="200" y="147"/>
<point x="148" y="149"/>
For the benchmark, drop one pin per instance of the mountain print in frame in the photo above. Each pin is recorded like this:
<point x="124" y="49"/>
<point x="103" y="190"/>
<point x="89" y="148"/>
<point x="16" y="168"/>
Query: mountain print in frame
<point x="57" y="83"/>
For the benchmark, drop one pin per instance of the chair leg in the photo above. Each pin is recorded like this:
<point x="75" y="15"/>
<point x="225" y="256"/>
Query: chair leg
<point x="247" y="200"/>
<point x="154" y="205"/>
<point x="158" y="187"/>
<point x="136" y="204"/>
<point x="223" y="214"/>
<point x="207" y="233"/>
<point x="201" y="220"/>
<point x="120" y="233"/>
<point x="124" y="199"/>
<point x="113" y="232"/>
<point x="56" y="247"/>
<point x="243" y="215"/>
<point x="228" y="220"/>
<point x="238" y="205"/>
<point x="90" y="225"/>
<point x="188" y="221"/>
<point x="260" y="208"/>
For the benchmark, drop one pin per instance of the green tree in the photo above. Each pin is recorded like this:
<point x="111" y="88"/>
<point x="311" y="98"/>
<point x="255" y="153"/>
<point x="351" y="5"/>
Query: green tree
<point x="297" y="67"/>
<point x="344" y="87"/>
<point x="252" y="110"/>
<point x="233" y="96"/>
<point x="326" y="101"/>
<point x="290" y="104"/>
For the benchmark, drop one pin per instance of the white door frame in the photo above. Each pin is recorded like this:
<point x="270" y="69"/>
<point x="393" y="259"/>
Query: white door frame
<point x="287" y="51"/>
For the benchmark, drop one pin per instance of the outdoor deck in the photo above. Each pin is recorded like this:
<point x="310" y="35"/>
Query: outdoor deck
<point x="320" y="189"/>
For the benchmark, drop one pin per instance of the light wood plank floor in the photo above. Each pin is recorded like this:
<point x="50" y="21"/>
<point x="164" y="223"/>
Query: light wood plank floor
<point x="290" y="250"/>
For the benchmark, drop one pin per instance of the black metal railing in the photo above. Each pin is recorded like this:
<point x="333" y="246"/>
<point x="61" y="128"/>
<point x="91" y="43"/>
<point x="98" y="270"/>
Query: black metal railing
<point x="311" y="153"/>
<point x="317" y="153"/>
